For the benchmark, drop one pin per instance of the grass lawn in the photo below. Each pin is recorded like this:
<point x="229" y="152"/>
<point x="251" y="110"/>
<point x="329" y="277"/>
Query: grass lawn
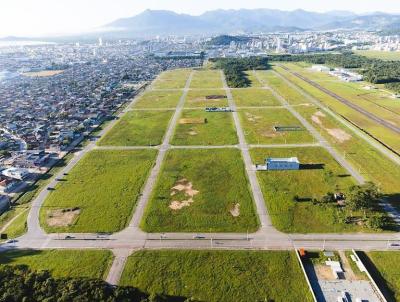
<point x="218" y="130"/>
<point x="138" y="128"/>
<point x="218" y="276"/>
<point x="201" y="191"/>
<point x="253" y="79"/>
<point x="159" y="99"/>
<point x="18" y="227"/>
<point x="254" y="97"/>
<point x="207" y="78"/>
<point x="388" y="266"/>
<point x="197" y="98"/>
<point x="172" y="79"/>
<point x="258" y="125"/>
<point x="383" y="55"/>
<point x="62" y="263"/>
<point x="281" y="187"/>
<point x="105" y="185"/>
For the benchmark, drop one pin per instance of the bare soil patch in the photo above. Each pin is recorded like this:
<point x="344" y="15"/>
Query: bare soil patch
<point x="339" y="134"/>
<point x="43" y="73"/>
<point x="185" y="121"/>
<point x="235" y="211"/>
<point x="192" y="132"/>
<point x="62" y="217"/>
<point x="324" y="272"/>
<point x="186" y="187"/>
<point x="252" y="118"/>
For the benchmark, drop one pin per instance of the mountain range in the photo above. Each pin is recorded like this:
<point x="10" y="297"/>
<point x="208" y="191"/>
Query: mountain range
<point x="161" y="22"/>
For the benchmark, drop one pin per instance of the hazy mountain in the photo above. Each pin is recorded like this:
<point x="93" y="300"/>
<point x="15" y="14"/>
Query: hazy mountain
<point x="154" y="22"/>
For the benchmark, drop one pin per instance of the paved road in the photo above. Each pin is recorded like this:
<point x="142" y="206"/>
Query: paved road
<point x="346" y="102"/>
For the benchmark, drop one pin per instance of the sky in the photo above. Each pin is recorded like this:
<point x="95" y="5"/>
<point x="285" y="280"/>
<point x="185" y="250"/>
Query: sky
<point x="48" y="17"/>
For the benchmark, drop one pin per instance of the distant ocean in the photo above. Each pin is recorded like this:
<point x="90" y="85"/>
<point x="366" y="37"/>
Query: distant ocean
<point x="23" y="43"/>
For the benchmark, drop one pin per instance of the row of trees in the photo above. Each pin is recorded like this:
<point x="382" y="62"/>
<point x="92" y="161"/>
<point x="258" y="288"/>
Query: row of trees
<point x="374" y="70"/>
<point x="19" y="283"/>
<point x="234" y="69"/>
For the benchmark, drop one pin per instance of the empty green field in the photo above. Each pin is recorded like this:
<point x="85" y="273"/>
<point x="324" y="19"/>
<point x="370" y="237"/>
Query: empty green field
<point x="218" y="276"/>
<point x="201" y="191"/>
<point x="254" y="82"/>
<point x="258" y="125"/>
<point x="383" y="55"/>
<point x="207" y="78"/>
<point x="206" y="98"/>
<point x="172" y="79"/>
<point x="62" y="263"/>
<point x="104" y="186"/>
<point x="197" y="127"/>
<point x="250" y="97"/>
<point x="319" y="175"/>
<point x="159" y="99"/>
<point x="138" y="128"/>
<point x="387" y="272"/>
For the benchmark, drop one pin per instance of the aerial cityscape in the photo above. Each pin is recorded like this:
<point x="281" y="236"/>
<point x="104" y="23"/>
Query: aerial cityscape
<point x="170" y="152"/>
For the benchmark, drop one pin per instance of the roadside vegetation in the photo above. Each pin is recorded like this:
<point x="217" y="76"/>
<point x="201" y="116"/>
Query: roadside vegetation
<point x="99" y="194"/>
<point x="258" y="126"/>
<point x="218" y="276"/>
<point x="138" y="128"/>
<point x="254" y="97"/>
<point x="159" y="99"/>
<point x="201" y="191"/>
<point x="303" y="201"/>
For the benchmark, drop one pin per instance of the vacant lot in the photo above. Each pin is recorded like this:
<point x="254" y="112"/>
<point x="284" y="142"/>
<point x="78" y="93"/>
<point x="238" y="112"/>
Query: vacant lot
<point x="138" y="128"/>
<point x="173" y="79"/>
<point x="159" y="99"/>
<point x="100" y="192"/>
<point x="206" y="79"/>
<point x="201" y="191"/>
<point x="220" y="276"/>
<point x="383" y="55"/>
<point x="42" y="73"/>
<point x="259" y="126"/>
<point x="254" y="97"/>
<point x="253" y="79"/>
<point x="321" y="174"/>
<point x="388" y="266"/>
<point x="197" y="127"/>
<point x="206" y="98"/>
<point x="62" y="263"/>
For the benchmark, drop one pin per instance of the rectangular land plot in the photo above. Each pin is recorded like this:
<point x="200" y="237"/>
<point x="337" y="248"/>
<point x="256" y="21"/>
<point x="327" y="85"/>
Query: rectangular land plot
<point x="201" y="191"/>
<point x="172" y="79"/>
<point x="254" y="82"/>
<point x="258" y="125"/>
<point x="206" y="98"/>
<point x="197" y="127"/>
<point x="253" y="97"/>
<point x="159" y="99"/>
<point x="207" y="79"/>
<point x="289" y="194"/>
<point x="101" y="190"/>
<point x="138" y="128"/>
<point x="62" y="263"/>
<point x="218" y="276"/>
<point x="386" y="272"/>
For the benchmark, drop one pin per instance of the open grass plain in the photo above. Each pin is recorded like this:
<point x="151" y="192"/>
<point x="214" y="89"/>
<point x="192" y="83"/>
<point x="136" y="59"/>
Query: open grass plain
<point x="62" y="263"/>
<point x="201" y="191"/>
<point x="206" y="98"/>
<point x="99" y="194"/>
<point x="383" y="55"/>
<point x="159" y="99"/>
<point x="172" y="79"/>
<point x="206" y="79"/>
<point x="254" y="97"/>
<point x="218" y="276"/>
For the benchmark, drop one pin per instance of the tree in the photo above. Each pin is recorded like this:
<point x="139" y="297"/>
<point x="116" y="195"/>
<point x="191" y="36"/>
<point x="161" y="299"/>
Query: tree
<point x="377" y="222"/>
<point x="363" y="197"/>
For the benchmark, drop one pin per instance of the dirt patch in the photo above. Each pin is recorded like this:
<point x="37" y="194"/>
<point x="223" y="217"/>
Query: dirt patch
<point x="235" y="211"/>
<point x="339" y="134"/>
<point x="252" y="118"/>
<point x="62" y="217"/>
<point x="186" y="187"/>
<point x="324" y="272"/>
<point x="192" y="132"/>
<point x="316" y="117"/>
<point x="43" y="73"/>
<point x="185" y="121"/>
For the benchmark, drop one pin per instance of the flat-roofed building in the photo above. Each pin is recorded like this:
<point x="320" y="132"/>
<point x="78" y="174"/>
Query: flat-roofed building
<point x="291" y="163"/>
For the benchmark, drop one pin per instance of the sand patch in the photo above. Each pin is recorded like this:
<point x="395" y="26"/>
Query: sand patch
<point x="339" y="134"/>
<point x="186" y="121"/>
<point x="186" y="187"/>
<point x="43" y="73"/>
<point x="316" y="117"/>
<point x="235" y="211"/>
<point x="324" y="272"/>
<point x="62" y="217"/>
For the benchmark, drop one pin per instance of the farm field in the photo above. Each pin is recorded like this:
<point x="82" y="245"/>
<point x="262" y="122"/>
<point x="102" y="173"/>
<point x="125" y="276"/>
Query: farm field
<point x="62" y="263"/>
<point x="159" y="99"/>
<point x="218" y="276"/>
<point x="172" y="79"/>
<point x="373" y="165"/>
<point x="138" y="128"/>
<point x="383" y="55"/>
<point x="201" y="191"/>
<point x="99" y="194"/>
<point x="197" y="127"/>
<point x="388" y="266"/>
<point x="258" y="125"/>
<point x="253" y="97"/>
<point x="206" y="98"/>
<point x="380" y="132"/>
<point x="206" y="78"/>
<point x="319" y="175"/>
